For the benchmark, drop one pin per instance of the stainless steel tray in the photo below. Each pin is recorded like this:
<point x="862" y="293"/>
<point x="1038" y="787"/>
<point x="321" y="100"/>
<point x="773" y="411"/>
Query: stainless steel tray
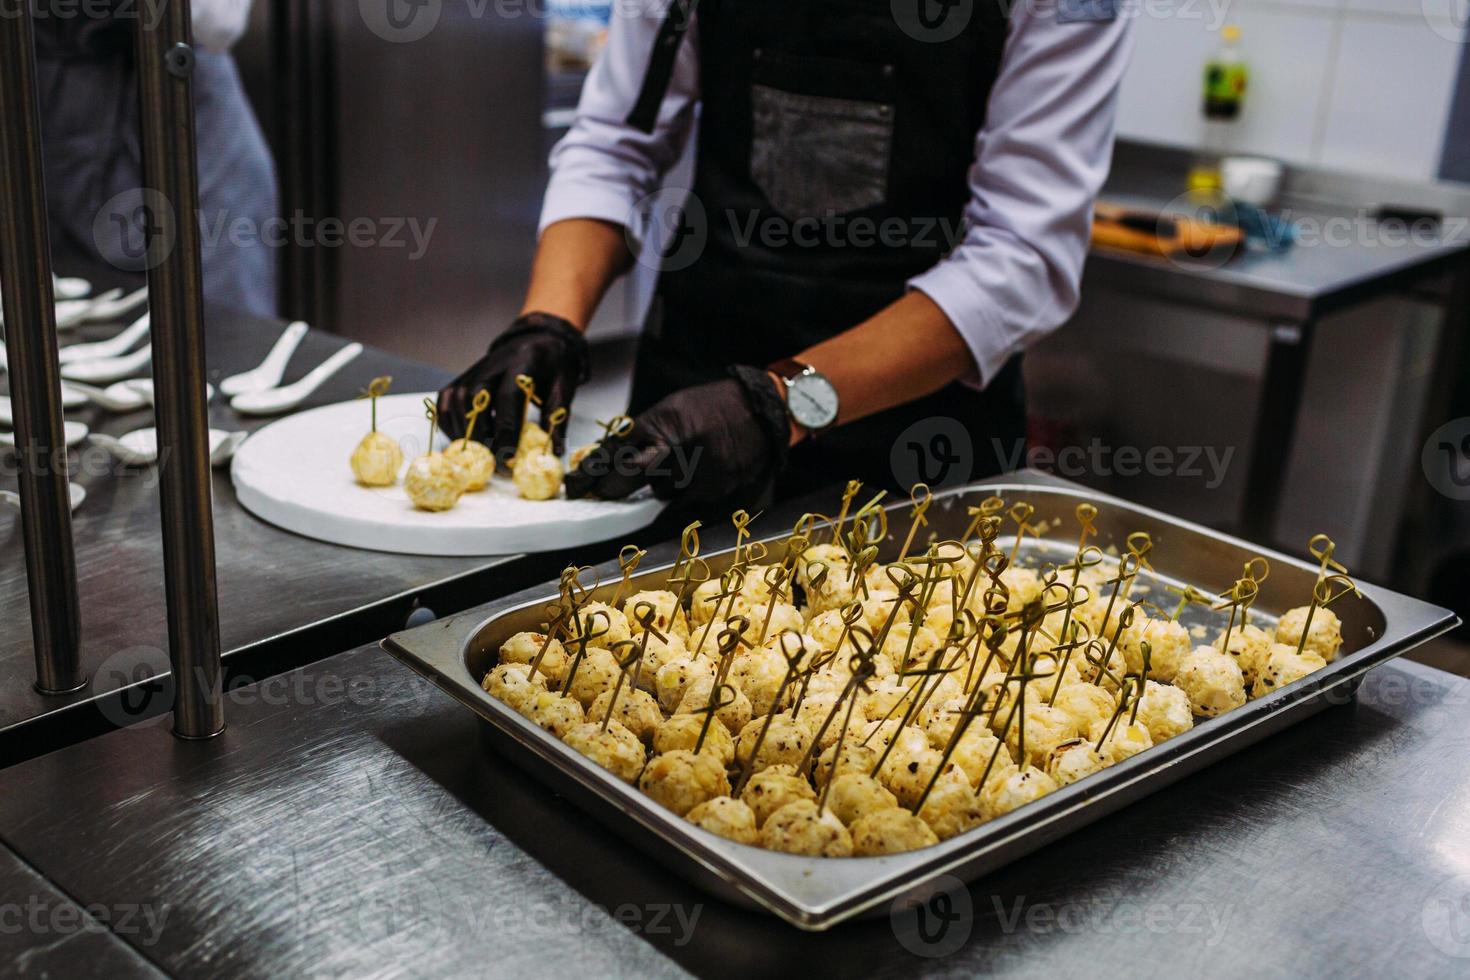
<point x="815" y="893"/>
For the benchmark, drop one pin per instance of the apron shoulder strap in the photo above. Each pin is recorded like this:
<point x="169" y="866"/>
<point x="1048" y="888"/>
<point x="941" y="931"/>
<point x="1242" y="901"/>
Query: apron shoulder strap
<point x="661" y="65"/>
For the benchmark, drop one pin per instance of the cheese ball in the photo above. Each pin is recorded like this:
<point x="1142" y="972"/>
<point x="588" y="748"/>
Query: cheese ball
<point x="1165" y="711"/>
<point x="512" y="684"/>
<point x="909" y="778"/>
<point x="975" y="750"/>
<point x="770" y="789"/>
<point x="1324" y="638"/>
<point x="523" y="648"/>
<point x="909" y="647"/>
<point x="474" y="461"/>
<point x="617" y="750"/>
<point x="1084" y="703"/>
<point x="797" y="828"/>
<point x="759" y="675"/>
<point x="377" y="460"/>
<point x="1074" y="760"/>
<point x="1283" y="666"/>
<point x="1212" y="681"/>
<point x="682" y="732"/>
<point x="1024" y="586"/>
<point x="656" y="655"/>
<point x="939" y="719"/>
<point x="856" y="757"/>
<point x="538" y="476"/>
<point x="783" y="616"/>
<point x="734" y="716"/>
<point x="887" y="698"/>
<point x="533" y="439"/>
<point x="785" y="742"/>
<point x="729" y="818"/>
<point x="555" y="713"/>
<point x="893" y="830"/>
<point x="667" y="616"/>
<point x="880" y="606"/>
<point x="855" y="795"/>
<point x="681" y="780"/>
<point x="1103" y="668"/>
<point x="706" y="603"/>
<point x="836" y="591"/>
<point x="1169" y="643"/>
<point x="596" y="617"/>
<point x="1250" y="646"/>
<point x="432" y="483"/>
<point x="1045" y="728"/>
<point x="1015" y="790"/>
<point x="833" y="556"/>
<point x="951" y="808"/>
<point x="671" y="681"/>
<point x="596" y="675"/>
<point x="637" y="710"/>
<point x="1126" y="740"/>
<point x="816" y="709"/>
<point x="908" y="743"/>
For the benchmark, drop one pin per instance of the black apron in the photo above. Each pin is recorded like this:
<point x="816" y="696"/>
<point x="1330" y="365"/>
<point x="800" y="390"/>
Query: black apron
<point x="90" y="147"/>
<point x="826" y="120"/>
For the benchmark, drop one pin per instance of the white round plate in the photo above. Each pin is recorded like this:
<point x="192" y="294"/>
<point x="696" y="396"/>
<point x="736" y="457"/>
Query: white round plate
<point x="295" y="474"/>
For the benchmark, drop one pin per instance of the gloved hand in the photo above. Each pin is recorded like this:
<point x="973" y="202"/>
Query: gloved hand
<point x="726" y="438"/>
<point x="546" y="348"/>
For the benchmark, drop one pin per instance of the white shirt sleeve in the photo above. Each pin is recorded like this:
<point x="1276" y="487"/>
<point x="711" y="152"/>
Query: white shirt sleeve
<point x="603" y="167"/>
<point x="218" y="24"/>
<point x="1041" y="158"/>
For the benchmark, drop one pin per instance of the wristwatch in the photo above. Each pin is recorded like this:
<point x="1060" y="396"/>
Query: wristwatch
<point x="811" y="400"/>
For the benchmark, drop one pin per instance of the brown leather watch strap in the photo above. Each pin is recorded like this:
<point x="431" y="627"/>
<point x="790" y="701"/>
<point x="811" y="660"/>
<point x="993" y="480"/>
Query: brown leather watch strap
<point x="787" y="367"/>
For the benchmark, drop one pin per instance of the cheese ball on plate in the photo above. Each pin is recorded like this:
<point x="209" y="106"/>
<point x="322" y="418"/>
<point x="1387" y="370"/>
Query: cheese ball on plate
<point x="538" y="476"/>
<point x="1044" y="728"/>
<point x="798" y="828"/>
<point x="1283" y="666"/>
<point x="1165" y="711"/>
<point x="1015" y="790"/>
<point x="512" y="684"/>
<point x="1249" y="646"/>
<point x="734" y="714"/>
<point x="856" y="757"/>
<point x="432" y="483"/>
<point x="1073" y="760"/>
<point x="656" y="654"/>
<point x="785" y="742"/>
<point x="759" y="675"/>
<point x="770" y="789"/>
<point x="682" y="732"/>
<point x="975" y="750"/>
<point x="1126" y="740"/>
<point x="1212" y="681"/>
<point x="681" y="780"/>
<point x="554" y="712"/>
<point x="533" y="439"/>
<point x="1084" y="703"/>
<point x="1324" y="637"/>
<point x="1024" y="586"/>
<point x="729" y="818"/>
<point x="523" y="648"/>
<point x="814" y="713"/>
<point x="952" y="807"/>
<point x="596" y="617"/>
<point x="854" y="795"/>
<point x="1169" y="643"/>
<point x="909" y="647"/>
<point x="474" y="461"/>
<point x="377" y="460"/>
<point x="893" y="830"/>
<point x="671" y="681"/>
<point x="667" y="616"/>
<point x="910" y="775"/>
<point x="637" y="710"/>
<point x="617" y="750"/>
<point x="596" y="675"/>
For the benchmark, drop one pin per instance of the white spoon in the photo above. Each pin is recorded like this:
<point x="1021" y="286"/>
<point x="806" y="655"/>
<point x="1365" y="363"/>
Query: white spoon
<point x="75" y="433"/>
<point x="114" y="347"/>
<point x="272" y="369"/>
<point x="113" y="305"/>
<point x="71" y="397"/>
<point x="71" y="312"/>
<point x="273" y="401"/>
<point x="119" y="397"/>
<point x="71" y="287"/>
<point x="106" y="369"/>
<point x="78" y="494"/>
<point x="140" y="447"/>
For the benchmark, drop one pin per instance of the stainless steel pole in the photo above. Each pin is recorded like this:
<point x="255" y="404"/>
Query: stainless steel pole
<point x="35" y="379"/>
<point x="175" y="299"/>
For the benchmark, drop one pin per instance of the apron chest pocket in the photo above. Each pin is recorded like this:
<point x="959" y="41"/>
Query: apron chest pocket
<point x="814" y="156"/>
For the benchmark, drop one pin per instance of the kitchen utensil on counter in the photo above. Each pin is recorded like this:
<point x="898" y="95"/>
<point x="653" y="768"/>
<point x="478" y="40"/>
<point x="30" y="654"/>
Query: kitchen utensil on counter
<point x="1251" y="180"/>
<point x="70" y="287"/>
<point x="123" y="396"/>
<point x="107" y="369"/>
<point x="1156" y="232"/>
<point x="274" y="401"/>
<point x="111" y="305"/>
<point x="75" y="433"/>
<point x="112" y="347"/>
<point x="140" y="447"/>
<point x="270" y="371"/>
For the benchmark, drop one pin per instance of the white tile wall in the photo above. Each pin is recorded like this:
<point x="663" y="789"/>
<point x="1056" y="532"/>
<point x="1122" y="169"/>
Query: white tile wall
<point x="1359" y="85"/>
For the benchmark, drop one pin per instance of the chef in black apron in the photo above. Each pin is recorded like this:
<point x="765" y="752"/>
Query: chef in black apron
<point x="891" y="200"/>
<point x="98" y="213"/>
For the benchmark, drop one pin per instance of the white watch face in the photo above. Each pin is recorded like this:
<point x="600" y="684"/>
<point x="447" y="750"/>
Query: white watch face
<point x="812" y="401"/>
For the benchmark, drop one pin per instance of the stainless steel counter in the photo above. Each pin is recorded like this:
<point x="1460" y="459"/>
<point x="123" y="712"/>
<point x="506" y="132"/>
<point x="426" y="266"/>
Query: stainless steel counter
<point x="349" y="822"/>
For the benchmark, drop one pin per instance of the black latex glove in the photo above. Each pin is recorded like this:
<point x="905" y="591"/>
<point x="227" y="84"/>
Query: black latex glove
<point x="546" y="348"/>
<point x="714" y="441"/>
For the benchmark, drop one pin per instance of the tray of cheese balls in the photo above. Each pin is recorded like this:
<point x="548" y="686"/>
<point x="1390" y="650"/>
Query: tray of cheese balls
<point x="819" y="719"/>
